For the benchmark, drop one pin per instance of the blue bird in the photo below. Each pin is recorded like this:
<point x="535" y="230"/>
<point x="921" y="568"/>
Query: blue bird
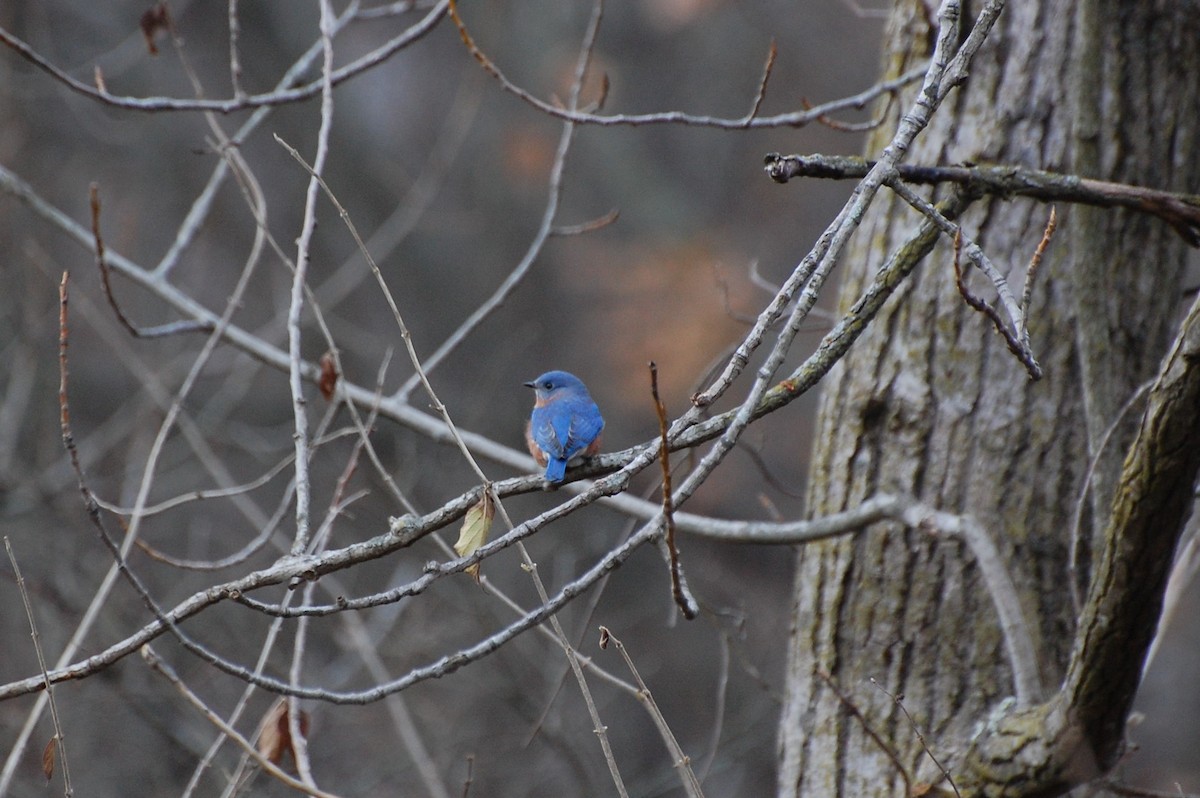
<point x="565" y="424"/>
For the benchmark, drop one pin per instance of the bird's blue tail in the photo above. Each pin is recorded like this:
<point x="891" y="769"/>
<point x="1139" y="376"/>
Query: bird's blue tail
<point x="556" y="469"/>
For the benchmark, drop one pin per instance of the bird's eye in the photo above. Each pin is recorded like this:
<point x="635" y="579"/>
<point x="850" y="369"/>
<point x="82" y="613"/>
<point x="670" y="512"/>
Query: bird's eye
<point x="547" y="385"/>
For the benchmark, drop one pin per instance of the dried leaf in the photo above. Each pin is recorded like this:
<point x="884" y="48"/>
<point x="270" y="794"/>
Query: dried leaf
<point x="329" y="376"/>
<point x="156" y="18"/>
<point x="49" y="757"/>
<point x="475" y="528"/>
<point x="274" y="733"/>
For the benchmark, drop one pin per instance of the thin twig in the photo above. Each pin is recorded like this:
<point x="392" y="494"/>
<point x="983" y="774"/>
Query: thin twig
<point x="898" y="701"/>
<point x="857" y="714"/>
<point x="668" y="508"/>
<point x="299" y="280"/>
<point x="691" y="785"/>
<point x="235" y="66"/>
<point x="722" y="694"/>
<point x="1018" y="637"/>
<point x="1075" y="539"/>
<point x="750" y="121"/>
<point x="421" y="373"/>
<point x="772" y="52"/>
<point x="282" y="95"/>
<point x="591" y="226"/>
<point x="301" y="542"/>
<point x="1032" y="269"/>
<point x="1015" y="333"/>
<point x="94" y="197"/>
<point x="545" y="227"/>
<point x="1022" y="352"/>
<point x="278" y="96"/>
<point x="199" y="495"/>
<point x="854" y="127"/>
<point x="60" y="740"/>
<point x="166" y="671"/>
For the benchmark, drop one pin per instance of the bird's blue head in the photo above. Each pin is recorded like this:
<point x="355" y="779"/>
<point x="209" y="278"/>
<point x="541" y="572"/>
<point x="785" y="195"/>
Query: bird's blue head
<point x="556" y="382"/>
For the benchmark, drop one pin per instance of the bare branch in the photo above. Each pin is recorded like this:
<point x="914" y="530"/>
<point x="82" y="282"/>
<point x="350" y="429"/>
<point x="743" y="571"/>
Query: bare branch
<point x="915" y="515"/>
<point x="166" y="671"/>
<point x="749" y="122"/>
<point x="682" y="762"/>
<point x="1181" y="211"/>
<point x="60" y="740"/>
<point x="545" y="228"/>
<point x="1015" y="332"/>
<point x="1078" y="734"/>
<point x="277" y="97"/>
<point x="94" y="196"/>
<point x="1153" y="499"/>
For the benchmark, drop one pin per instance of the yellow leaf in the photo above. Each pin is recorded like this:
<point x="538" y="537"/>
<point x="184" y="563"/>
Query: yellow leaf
<point x="475" y="528"/>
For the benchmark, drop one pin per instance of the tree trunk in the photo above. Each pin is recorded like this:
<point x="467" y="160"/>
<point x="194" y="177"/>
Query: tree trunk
<point x="930" y="402"/>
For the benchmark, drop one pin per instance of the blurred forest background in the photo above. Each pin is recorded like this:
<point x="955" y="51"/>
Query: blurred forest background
<point x="447" y="177"/>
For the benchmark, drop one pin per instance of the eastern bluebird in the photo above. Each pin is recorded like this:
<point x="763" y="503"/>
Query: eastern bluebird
<point x="565" y="425"/>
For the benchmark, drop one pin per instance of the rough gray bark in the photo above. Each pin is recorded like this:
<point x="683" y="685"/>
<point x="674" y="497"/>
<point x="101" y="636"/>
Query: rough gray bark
<point x="929" y="402"/>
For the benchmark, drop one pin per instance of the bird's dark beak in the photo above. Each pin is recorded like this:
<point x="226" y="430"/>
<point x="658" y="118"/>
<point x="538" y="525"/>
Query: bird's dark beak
<point x="530" y="384"/>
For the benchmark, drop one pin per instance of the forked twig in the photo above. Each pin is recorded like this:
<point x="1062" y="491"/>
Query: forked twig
<point x="683" y="762"/>
<point x="280" y="95"/>
<point x="750" y="121"/>
<point x="1020" y="349"/>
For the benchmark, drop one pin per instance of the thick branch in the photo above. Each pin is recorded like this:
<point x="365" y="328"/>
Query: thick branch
<point x="1078" y="736"/>
<point x="1181" y="211"/>
<point x="1152" y="504"/>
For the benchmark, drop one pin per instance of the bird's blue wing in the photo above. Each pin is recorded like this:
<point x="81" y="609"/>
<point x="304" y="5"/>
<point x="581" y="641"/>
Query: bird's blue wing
<point x="586" y="424"/>
<point x="550" y="427"/>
